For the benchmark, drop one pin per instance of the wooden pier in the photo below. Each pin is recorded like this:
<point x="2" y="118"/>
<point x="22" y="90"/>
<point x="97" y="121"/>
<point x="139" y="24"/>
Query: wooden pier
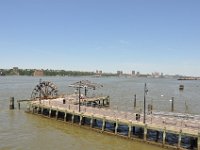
<point x="169" y="130"/>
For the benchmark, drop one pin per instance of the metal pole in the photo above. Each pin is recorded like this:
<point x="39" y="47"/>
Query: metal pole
<point x="145" y="93"/>
<point x="40" y="81"/>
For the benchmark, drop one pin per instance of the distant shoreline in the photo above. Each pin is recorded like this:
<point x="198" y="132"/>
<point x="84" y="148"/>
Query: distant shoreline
<point x="189" y="78"/>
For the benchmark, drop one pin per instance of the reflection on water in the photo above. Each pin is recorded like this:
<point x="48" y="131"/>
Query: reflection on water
<point x="19" y="130"/>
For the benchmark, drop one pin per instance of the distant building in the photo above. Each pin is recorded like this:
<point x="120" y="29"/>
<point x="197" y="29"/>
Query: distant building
<point x="119" y="73"/>
<point x="2" y="73"/>
<point x="15" y="71"/>
<point x="133" y="73"/>
<point x="138" y="74"/>
<point x="156" y="74"/>
<point x="38" y="73"/>
<point x="99" y="72"/>
<point x="15" y="68"/>
<point x="162" y="75"/>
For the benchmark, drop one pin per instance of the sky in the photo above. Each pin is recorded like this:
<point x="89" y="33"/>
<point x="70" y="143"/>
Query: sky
<point x="109" y="35"/>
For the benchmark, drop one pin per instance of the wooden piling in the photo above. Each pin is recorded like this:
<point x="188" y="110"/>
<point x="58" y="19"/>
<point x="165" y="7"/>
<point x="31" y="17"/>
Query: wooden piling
<point x="172" y="105"/>
<point x="12" y="103"/>
<point x="134" y="101"/>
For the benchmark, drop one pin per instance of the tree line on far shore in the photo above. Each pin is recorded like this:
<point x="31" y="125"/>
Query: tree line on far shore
<point x="48" y="72"/>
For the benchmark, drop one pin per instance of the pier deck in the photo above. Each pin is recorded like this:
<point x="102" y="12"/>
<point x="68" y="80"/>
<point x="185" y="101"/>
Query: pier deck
<point x="160" y="124"/>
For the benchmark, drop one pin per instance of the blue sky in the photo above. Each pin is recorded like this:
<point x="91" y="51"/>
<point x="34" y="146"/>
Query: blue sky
<point x="108" y="35"/>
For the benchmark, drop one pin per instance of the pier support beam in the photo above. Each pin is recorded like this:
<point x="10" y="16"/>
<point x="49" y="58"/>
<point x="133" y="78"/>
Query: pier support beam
<point x="81" y="118"/>
<point x="49" y="113"/>
<point x="12" y="103"/>
<point x="103" y="124"/>
<point x="57" y="114"/>
<point x="19" y="105"/>
<point x="73" y="117"/>
<point x="157" y="136"/>
<point x="129" y="130"/>
<point x="28" y="108"/>
<point x="198" y="142"/>
<point x="133" y="130"/>
<point x="116" y="126"/>
<point x="145" y="132"/>
<point x="91" y="121"/>
<point x="38" y="109"/>
<point x="65" y="117"/>
<point x="179" y="139"/>
<point x="42" y="109"/>
<point x="164" y="136"/>
<point x="33" y="110"/>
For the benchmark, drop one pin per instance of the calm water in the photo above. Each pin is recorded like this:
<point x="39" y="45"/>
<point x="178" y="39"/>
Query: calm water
<point x="19" y="130"/>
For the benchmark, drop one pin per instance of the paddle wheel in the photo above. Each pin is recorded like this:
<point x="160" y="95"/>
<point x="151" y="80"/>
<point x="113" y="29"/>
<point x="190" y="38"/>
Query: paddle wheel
<point x="44" y="90"/>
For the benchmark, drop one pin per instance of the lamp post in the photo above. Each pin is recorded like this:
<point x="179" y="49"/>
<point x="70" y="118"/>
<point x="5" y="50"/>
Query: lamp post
<point x="83" y="84"/>
<point x="145" y="93"/>
<point x="79" y="96"/>
<point x="40" y="81"/>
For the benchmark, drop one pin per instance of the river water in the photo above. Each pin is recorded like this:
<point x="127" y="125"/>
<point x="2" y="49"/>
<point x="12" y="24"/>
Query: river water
<point x="20" y="131"/>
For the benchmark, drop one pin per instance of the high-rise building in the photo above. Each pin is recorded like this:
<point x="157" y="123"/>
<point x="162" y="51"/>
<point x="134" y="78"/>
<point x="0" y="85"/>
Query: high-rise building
<point x="119" y="73"/>
<point x="99" y="72"/>
<point x="133" y="73"/>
